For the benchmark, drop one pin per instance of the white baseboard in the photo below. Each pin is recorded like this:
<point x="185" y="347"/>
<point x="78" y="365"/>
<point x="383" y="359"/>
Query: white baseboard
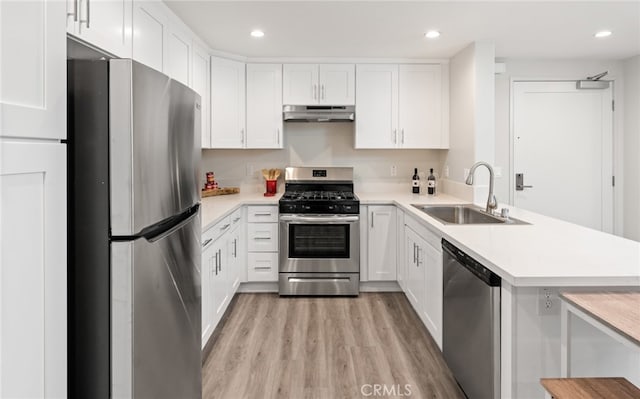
<point x="365" y="286"/>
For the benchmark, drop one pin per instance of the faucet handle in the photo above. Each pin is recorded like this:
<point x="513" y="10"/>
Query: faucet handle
<point x="504" y="213"/>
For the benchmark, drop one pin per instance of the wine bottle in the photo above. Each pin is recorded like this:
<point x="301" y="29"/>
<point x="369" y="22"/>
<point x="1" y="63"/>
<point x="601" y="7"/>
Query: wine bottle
<point x="431" y="183"/>
<point x="415" y="182"/>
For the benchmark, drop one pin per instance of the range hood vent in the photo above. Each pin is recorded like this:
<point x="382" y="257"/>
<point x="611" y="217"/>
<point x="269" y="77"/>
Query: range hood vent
<point x="318" y="113"/>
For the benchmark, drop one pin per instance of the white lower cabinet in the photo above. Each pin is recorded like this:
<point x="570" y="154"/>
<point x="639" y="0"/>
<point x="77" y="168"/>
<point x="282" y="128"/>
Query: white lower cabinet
<point x="423" y="285"/>
<point x="382" y="243"/>
<point x="262" y="243"/>
<point x="221" y="270"/>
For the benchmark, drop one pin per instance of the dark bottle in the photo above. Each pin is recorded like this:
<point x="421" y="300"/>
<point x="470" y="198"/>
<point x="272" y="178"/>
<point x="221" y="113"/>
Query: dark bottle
<point x="415" y="182"/>
<point x="431" y="183"/>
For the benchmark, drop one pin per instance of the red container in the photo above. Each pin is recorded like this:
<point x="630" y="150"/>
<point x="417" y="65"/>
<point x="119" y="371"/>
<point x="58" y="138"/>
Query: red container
<point x="271" y="188"/>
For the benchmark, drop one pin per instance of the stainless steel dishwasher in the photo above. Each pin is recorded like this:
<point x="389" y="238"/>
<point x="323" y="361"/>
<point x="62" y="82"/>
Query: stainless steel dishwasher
<point x="471" y="323"/>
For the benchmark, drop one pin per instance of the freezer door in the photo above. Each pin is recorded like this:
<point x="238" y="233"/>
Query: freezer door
<point x="156" y="323"/>
<point x="154" y="146"/>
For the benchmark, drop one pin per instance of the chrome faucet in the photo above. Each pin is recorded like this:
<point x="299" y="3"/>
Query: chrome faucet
<point x="492" y="202"/>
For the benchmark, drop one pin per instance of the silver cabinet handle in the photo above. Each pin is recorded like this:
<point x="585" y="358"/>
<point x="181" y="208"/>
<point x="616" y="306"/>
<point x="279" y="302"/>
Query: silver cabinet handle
<point x="520" y="186"/>
<point x="236" y="219"/>
<point x="261" y="238"/>
<point x="262" y="268"/>
<point x="278" y="135"/>
<point x="414" y="252"/>
<point x="235" y="247"/>
<point x="204" y="244"/>
<point x="75" y="11"/>
<point x="394" y="136"/>
<point x="322" y="91"/>
<point x="418" y="256"/>
<point x="372" y="219"/>
<point x="220" y="262"/>
<point x="315" y="92"/>
<point x="226" y="226"/>
<point x="402" y="137"/>
<point x="216" y="263"/>
<point x="87" y="21"/>
<point x="242" y="135"/>
<point x="261" y="214"/>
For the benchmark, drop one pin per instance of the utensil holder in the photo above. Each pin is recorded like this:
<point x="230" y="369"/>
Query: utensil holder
<point x="271" y="188"/>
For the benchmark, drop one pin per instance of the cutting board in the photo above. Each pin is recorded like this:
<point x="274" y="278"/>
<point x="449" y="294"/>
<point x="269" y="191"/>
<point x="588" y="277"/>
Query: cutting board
<point x="220" y="191"/>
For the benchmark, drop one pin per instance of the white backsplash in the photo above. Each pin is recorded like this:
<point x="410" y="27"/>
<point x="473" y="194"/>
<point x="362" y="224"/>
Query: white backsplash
<point x="322" y="144"/>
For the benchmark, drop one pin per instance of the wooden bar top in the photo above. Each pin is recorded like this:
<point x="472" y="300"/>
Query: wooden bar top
<point x="618" y="310"/>
<point x="590" y="388"/>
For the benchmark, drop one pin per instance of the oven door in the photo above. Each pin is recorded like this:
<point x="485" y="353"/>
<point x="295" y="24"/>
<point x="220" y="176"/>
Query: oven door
<point x="319" y="243"/>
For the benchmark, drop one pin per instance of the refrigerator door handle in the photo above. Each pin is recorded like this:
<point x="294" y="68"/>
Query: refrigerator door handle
<point x="163" y="228"/>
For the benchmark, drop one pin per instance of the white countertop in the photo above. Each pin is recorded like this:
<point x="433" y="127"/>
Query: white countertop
<point x="548" y="252"/>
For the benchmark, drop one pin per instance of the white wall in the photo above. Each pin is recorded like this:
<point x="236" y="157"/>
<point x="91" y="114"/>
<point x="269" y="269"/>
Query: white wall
<point x="471" y="119"/>
<point x="632" y="148"/>
<point x="321" y="144"/>
<point x="520" y="69"/>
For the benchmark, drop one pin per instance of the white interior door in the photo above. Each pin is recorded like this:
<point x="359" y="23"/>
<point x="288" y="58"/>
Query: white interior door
<point x="562" y="145"/>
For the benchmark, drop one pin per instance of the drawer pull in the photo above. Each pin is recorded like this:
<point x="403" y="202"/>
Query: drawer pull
<point x="204" y="244"/>
<point x="262" y="214"/>
<point x="226" y="226"/>
<point x="236" y="219"/>
<point x="261" y="238"/>
<point x="262" y="268"/>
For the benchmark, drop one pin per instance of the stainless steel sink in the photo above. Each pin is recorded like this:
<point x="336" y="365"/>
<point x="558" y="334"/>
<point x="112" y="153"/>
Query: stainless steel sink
<point x="463" y="214"/>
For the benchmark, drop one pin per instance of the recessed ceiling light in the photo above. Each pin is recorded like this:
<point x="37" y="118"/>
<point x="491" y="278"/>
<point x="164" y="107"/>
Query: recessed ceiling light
<point x="603" y="33"/>
<point x="432" y="34"/>
<point x="257" y="33"/>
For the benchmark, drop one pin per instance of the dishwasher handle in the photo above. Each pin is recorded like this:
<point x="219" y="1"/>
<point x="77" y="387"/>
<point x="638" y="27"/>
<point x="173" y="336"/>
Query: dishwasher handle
<point x="475" y="267"/>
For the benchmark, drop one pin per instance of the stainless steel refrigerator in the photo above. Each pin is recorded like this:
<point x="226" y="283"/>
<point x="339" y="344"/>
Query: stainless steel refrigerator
<point x="134" y="233"/>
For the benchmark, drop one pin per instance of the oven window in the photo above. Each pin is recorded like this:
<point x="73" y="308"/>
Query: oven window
<point x="319" y="240"/>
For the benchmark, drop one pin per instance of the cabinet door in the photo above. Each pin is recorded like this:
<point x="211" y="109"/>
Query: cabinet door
<point x="219" y="280"/>
<point x="208" y="255"/>
<point x="227" y="103"/>
<point x="415" y="287"/>
<point x="401" y="267"/>
<point x="179" y="65"/>
<point x="201" y="85"/>
<point x="431" y="259"/>
<point x="235" y="259"/>
<point x="33" y="69"/>
<point x="300" y="84"/>
<point x="377" y="106"/>
<point x="33" y="269"/>
<point x="337" y="84"/>
<point x="382" y="243"/>
<point x="150" y="35"/>
<point x="264" y="106"/>
<point x="420" y="106"/>
<point x="106" y="25"/>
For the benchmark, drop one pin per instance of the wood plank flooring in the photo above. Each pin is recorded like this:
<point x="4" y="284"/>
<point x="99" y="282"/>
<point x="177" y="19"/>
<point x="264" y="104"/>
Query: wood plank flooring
<point x="325" y="348"/>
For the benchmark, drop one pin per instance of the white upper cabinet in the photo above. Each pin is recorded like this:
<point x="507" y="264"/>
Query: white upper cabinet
<point x="104" y="24"/>
<point x="150" y="35"/>
<point x="33" y="69"/>
<point x="420" y="106"/>
<point x="402" y="106"/>
<point x="309" y="84"/>
<point x="227" y="103"/>
<point x="179" y="62"/>
<point x="201" y="83"/>
<point x="264" y="106"/>
<point x="377" y="106"/>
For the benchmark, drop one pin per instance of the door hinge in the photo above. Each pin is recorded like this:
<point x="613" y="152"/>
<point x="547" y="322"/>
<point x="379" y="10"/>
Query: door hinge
<point x="613" y="181"/>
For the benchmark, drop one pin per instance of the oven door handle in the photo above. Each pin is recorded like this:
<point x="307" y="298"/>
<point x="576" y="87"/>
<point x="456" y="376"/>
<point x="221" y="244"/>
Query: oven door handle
<point x="320" y="219"/>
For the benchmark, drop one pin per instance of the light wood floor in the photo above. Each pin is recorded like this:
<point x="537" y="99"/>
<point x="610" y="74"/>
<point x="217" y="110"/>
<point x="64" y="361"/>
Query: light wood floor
<point x="307" y="347"/>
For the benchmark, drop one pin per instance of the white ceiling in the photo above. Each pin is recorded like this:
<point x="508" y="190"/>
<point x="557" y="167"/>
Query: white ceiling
<point x="551" y="29"/>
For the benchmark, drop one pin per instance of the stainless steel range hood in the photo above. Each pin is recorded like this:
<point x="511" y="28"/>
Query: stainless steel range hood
<point x="318" y="113"/>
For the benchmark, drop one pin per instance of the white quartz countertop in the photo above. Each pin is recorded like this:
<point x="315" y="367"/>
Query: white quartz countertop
<point x="547" y="252"/>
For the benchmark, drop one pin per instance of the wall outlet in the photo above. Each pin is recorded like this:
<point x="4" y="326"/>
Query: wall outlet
<point x="548" y="302"/>
<point x="446" y="171"/>
<point x="394" y="171"/>
<point x="497" y="170"/>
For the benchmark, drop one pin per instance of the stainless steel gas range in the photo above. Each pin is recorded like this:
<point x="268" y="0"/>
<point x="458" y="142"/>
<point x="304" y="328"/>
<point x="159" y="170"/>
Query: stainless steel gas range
<point x="319" y="232"/>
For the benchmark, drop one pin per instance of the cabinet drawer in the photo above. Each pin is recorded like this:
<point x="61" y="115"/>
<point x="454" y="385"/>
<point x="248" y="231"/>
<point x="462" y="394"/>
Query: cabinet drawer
<point x="262" y="214"/>
<point x="262" y="266"/>
<point x="262" y="237"/>
<point x="216" y="231"/>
